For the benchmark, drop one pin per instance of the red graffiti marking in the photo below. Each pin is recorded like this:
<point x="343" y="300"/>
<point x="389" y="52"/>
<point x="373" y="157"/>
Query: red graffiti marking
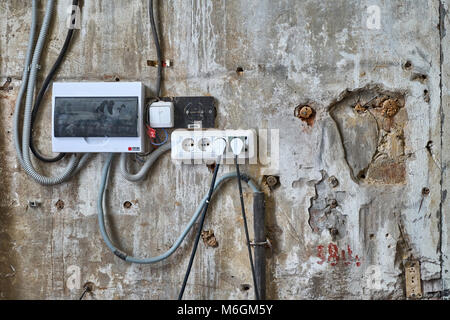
<point x="335" y="255"/>
<point x="321" y="254"/>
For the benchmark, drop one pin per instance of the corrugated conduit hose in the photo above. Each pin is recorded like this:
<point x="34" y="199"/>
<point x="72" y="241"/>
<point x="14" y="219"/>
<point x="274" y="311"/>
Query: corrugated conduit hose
<point x="142" y="173"/>
<point x="101" y="214"/>
<point x="29" y="82"/>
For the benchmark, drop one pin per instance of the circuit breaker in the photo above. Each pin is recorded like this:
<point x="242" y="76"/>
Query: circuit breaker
<point x="98" y="117"/>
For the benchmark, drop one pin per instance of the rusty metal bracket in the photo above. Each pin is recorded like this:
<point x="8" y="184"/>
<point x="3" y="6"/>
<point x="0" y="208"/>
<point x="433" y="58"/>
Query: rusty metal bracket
<point x="413" y="281"/>
<point x="154" y="63"/>
<point x="6" y="86"/>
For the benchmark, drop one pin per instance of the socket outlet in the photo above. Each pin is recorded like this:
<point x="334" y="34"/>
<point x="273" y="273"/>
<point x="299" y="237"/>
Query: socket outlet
<point x="198" y="145"/>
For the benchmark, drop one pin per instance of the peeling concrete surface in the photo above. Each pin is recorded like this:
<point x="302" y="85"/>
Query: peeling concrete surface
<point x="290" y="53"/>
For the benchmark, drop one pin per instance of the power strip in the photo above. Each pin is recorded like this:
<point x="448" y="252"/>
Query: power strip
<point x="198" y="145"/>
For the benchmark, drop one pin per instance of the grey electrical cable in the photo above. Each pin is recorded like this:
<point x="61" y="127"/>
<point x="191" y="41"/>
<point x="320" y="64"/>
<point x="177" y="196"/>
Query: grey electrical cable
<point x="29" y="81"/>
<point x="122" y="255"/>
<point x="25" y="75"/>
<point x="157" y="47"/>
<point x="142" y="173"/>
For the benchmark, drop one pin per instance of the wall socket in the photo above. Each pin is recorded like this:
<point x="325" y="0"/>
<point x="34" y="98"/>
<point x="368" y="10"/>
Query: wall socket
<point x="198" y="145"/>
<point x="413" y="280"/>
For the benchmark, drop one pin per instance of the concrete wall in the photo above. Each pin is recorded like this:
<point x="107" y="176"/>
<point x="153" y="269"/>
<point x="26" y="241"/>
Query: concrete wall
<point x="330" y="55"/>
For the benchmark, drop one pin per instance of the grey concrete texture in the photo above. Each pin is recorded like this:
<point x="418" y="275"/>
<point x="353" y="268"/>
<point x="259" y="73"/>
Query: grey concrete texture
<point x="363" y="181"/>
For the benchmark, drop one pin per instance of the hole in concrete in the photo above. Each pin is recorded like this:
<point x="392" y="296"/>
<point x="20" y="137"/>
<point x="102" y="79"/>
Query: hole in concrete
<point x="89" y="286"/>
<point x="426" y="95"/>
<point x="211" y="167"/>
<point x="372" y="236"/>
<point x="127" y="204"/>
<point x="59" y="204"/>
<point x="245" y="287"/>
<point x="272" y="181"/>
<point x="387" y="235"/>
<point x="407" y="65"/>
<point x="419" y="77"/>
<point x="117" y="79"/>
<point x="239" y="71"/>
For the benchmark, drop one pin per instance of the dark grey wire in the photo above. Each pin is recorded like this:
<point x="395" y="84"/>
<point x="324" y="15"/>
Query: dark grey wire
<point x="157" y="46"/>
<point x="246" y="228"/>
<point x="199" y="232"/>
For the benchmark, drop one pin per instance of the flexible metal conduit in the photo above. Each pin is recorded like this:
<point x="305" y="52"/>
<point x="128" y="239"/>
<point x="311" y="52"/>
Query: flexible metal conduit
<point x="29" y="82"/>
<point x="124" y="256"/>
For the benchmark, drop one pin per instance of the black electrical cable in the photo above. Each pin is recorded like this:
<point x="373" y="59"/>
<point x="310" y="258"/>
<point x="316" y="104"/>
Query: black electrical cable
<point x="43" y="90"/>
<point x="157" y="46"/>
<point x="200" y="228"/>
<point x="246" y="228"/>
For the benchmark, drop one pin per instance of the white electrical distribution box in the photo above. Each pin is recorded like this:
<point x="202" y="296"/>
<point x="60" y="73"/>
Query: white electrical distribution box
<point x="199" y="145"/>
<point x="161" y="114"/>
<point x="98" y="117"/>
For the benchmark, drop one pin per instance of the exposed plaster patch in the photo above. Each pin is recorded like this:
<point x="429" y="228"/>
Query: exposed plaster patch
<point x="371" y="121"/>
<point x="325" y="211"/>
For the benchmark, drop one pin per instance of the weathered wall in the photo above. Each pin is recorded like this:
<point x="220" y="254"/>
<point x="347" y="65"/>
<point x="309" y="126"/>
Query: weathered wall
<point x="292" y="53"/>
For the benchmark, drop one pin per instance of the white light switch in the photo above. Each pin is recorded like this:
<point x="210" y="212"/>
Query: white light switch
<point x="161" y="114"/>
